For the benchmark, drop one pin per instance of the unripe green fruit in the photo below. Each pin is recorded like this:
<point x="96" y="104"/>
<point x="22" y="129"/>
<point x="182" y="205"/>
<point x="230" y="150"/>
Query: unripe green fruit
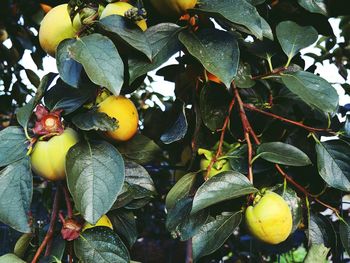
<point x="173" y="8"/>
<point x="218" y="167"/>
<point x="48" y="158"/>
<point x="270" y="218"/>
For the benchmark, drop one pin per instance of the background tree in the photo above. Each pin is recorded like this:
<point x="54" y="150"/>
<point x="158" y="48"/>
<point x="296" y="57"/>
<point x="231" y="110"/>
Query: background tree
<point x="248" y="117"/>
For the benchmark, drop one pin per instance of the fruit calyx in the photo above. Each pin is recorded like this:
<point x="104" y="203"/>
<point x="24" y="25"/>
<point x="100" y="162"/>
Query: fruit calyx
<point x="47" y="123"/>
<point x="71" y="229"/>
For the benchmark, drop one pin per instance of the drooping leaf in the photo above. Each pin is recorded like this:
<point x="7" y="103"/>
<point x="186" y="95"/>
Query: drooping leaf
<point x="140" y="149"/>
<point x="283" y="153"/>
<point x="320" y="230"/>
<point x="68" y="68"/>
<point x="178" y="129"/>
<point x="128" y="33"/>
<point x="344" y="232"/>
<point x="313" y="90"/>
<point x="317" y="253"/>
<point x="94" y="120"/>
<point x="13" y="145"/>
<point x="100" y="244"/>
<point x="124" y="224"/>
<point x="101" y="61"/>
<point x="163" y="42"/>
<point x="95" y="176"/>
<point x="267" y="31"/>
<point x="223" y="186"/>
<point x="293" y="37"/>
<point x="236" y="11"/>
<point x="23" y="114"/>
<point x="333" y="163"/>
<point x="315" y="6"/>
<point x="180" y="190"/>
<point x="214" y="233"/>
<point x="217" y="51"/>
<point x="16" y="190"/>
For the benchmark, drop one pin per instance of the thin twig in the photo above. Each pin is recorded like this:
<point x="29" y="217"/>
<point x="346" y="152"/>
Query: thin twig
<point x="50" y="232"/>
<point x="276" y="71"/>
<point x="68" y="203"/>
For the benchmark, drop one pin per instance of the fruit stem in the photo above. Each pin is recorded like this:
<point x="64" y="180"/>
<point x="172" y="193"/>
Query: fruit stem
<point x="68" y="202"/>
<point x="222" y="137"/>
<point x="50" y="232"/>
<point x="311" y="129"/>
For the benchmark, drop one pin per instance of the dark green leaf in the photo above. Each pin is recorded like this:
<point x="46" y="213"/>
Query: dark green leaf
<point x="132" y="35"/>
<point x="313" y="90"/>
<point x="140" y="149"/>
<point x="163" y="42"/>
<point x="244" y="78"/>
<point x="320" y="230"/>
<point x="283" y="153"/>
<point x="124" y="224"/>
<point x="13" y="145"/>
<point x="177" y="214"/>
<point x="344" y="232"/>
<point x="217" y="51"/>
<point x="236" y="11"/>
<point x="293" y="37"/>
<point x="93" y="120"/>
<point x="100" y="244"/>
<point x="16" y="190"/>
<point x="23" y="114"/>
<point x="180" y="190"/>
<point x="138" y="178"/>
<point x="315" y="6"/>
<point x="214" y="233"/>
<point x="33" y="77"/>
<point x="333" y="163"/>
<point x="68" y="68"/>
<point x="317" y="253"/>
<point x="101" y="61"/>
<point x="95" y="176"/>
<point x="267" y="32"/>
<point x="221" y="187"/>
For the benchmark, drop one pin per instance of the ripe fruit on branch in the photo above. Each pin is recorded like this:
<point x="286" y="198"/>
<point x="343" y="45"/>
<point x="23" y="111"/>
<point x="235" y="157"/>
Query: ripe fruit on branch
<point x="173" y="8"/>
<point x="119" y="8"/>
<point x="55" y="27"/>
<point x="48" y="158"/>
<point x="125" y="112"/>
<point x="103" y="221"/>
<point x="221" y="165"/>
<point x="270" y="218"/>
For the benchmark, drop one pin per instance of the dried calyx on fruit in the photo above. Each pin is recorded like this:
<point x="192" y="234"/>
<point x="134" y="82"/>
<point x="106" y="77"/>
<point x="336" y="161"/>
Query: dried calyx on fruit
<point x="47" y="123"/>
<point x="71" y="228"/>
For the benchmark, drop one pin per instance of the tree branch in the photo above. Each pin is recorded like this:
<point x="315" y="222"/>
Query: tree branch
<point x="50" y="232"/>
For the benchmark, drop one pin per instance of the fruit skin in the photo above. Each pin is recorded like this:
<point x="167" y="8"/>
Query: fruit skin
<point x="270" y="219"/>
<point x="125" y="112"/>
<point x="48" y="158"/>
<point x="3" y="35"/>
<point x="55" y="27"/>
<point x="119" y="8"/>
<point x="103" y="221"/>
<point x="173" y="8"/>
<point x="218" y="167"/>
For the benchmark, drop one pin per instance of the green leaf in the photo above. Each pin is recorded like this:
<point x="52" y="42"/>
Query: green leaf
<point x="95" y="176"/>
<point x="214" y="233"/>
<point x="13" y="145"/>
<point x="293" y="37"/>
<point x="16" y="190"/>
<point x="140" y="149"/>
<point x="180" y="190"/>
<point x="282" y="153"/>
<point x="23" y="114"/>
<point x="267" y="31"/>
<point x="33" y="77"/>
<point x="320" y="230"/>
<point x="221" y="187"/>
<point x="333" y="163"/>
<point x="213" y="102"/>
<point x="100" y="244"/>
<point x="164" y="43"/>
<point x="317" y="253"/>
<point x="69" y="69"/>
<point x="124" y="224"/>
<point x="344" y="232"/>
<point x="22" y="244"/>
<point x="10" y="258"/>
<point x="93" y="120"/>
<point x="128" y="33"/>
<point x="313" y="90"/>
<point x="217" y="51"/>
<point x="101" y="61"/>
<point x="243" y="79"/>
<point x="315" y="6"/>
<point x="236" y="11"/>
<point x="138" y="178"/>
